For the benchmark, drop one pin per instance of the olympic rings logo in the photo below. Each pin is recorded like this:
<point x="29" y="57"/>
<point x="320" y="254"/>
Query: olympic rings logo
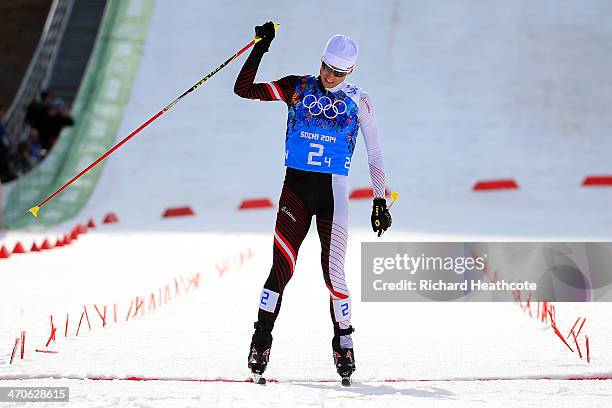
<point x="324" y="105"/>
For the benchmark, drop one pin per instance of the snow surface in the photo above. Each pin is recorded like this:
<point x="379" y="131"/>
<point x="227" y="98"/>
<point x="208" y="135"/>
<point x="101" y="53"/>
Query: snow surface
<point x="464" y="91"/>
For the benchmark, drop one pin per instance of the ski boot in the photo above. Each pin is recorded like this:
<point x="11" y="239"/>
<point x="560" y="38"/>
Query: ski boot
<point x="259" y="353"/>
<point x="344" y="359"/>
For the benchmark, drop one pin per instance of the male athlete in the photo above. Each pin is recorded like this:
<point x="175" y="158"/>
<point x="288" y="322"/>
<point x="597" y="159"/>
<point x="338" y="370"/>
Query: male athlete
<point x="325" y="114"/>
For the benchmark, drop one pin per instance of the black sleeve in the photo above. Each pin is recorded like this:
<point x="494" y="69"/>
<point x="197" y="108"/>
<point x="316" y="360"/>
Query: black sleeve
<point x="245" y="87"/>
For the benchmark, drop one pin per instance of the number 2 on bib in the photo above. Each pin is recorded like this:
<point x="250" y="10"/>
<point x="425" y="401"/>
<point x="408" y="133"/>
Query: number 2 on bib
<point x="318" y="153"/>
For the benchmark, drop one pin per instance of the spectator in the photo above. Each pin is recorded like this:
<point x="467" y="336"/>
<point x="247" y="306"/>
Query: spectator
<point x="36" y="150"/>
<point x="38" y="112"/>
<point x="58" y="118"/>
<point x="23" y="161"/>
<point x="5" y="171"/>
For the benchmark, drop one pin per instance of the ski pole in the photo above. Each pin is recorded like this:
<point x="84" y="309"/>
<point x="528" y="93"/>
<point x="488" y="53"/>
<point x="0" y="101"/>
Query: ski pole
<point x="394" y="197"/>
<point x="34" y="210"/>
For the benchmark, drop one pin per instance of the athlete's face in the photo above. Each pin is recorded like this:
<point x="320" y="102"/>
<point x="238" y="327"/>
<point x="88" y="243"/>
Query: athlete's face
<point x="328" y="77"/>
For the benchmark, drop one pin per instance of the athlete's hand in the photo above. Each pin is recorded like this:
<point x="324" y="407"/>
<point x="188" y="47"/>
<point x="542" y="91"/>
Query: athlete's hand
<point x="266" y="32"/>
<point x="381" y="218"/>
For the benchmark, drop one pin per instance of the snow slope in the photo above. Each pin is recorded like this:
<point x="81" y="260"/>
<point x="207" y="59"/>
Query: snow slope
<point x="463" y="91"/>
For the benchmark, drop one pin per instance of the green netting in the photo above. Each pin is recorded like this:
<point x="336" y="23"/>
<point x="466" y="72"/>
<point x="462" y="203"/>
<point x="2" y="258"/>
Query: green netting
<point x="98" y="110"/>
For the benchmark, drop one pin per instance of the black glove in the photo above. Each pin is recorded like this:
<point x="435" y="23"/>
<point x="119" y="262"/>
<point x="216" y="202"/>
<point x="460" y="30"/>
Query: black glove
<point x="266" y="32"/>
<point x="381" y="219"/>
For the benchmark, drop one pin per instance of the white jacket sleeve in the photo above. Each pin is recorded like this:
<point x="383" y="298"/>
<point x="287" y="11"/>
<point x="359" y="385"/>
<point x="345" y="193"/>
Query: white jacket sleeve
<point x="369" y="130"/>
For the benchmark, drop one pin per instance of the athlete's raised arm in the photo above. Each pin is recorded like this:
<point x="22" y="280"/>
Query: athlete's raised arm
<point x="280" y="90"/>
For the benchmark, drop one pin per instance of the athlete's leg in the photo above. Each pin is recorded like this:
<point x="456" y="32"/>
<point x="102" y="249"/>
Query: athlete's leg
<point x="292" y="223"/>
<point x="332" y="225"/>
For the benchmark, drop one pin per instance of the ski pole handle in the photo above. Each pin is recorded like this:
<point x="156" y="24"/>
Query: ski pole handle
<point x="258" y="39"/>
<point x="394" y="197"/>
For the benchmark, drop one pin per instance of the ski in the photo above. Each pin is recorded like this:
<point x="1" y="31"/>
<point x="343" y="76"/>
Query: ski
<point x="346" y="381"/>
<point x="258" y="379"/>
